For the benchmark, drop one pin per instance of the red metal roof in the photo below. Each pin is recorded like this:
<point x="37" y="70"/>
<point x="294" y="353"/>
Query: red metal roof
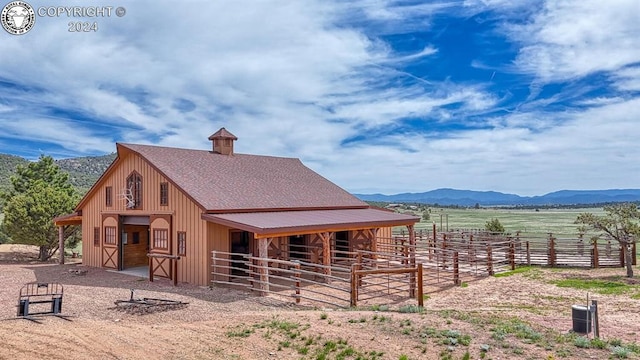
<point x="282" y="222"/>
<point x="242" y="183"/>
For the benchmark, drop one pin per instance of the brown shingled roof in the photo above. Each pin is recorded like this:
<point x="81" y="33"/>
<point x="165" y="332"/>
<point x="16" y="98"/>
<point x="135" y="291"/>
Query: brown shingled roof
<point x="242" y="183"/>
<point x="223" y="134"/>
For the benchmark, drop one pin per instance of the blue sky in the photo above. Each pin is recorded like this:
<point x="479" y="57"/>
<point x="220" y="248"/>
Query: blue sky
<point x="523" y="97"/>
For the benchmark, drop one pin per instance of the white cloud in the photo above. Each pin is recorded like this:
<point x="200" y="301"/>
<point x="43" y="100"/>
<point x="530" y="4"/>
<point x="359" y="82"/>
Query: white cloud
<point x="299" y="78"/>
<point x="574" y="38"/>
<point x="627" y="79"/>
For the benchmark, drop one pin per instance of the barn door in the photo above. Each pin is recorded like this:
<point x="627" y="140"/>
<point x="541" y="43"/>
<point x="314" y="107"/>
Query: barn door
<point x="160" y="243"/>
<point x="110" y="242"/>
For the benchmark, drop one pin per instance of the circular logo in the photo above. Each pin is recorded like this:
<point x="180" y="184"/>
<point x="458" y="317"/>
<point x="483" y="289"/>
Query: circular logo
<point x="18" y="17"/>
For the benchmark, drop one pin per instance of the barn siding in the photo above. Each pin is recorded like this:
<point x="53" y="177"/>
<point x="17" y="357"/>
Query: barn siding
<point x="185" y="214"/>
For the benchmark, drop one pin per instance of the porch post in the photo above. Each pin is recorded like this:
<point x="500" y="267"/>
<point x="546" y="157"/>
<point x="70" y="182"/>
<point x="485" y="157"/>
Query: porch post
<point x="61" y="244"/>
<point x="374" y="240"/>
<point x="326" y="252"/>
<point x="374" y="243"/>
<point x="263" y="254"/>
<point x="412" y="260"/>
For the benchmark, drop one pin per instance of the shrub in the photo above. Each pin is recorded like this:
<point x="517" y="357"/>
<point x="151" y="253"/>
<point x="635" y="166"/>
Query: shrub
<point x="494" y="226"/>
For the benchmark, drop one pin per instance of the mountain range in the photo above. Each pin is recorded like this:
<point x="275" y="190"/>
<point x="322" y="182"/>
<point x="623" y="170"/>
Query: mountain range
<point x="492" y="198"/>
<point x="84" y="171"/>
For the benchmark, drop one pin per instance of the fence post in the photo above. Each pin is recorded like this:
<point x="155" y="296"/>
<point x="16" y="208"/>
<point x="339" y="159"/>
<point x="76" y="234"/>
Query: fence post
<point x="359" y="267"/>
<point x="444" y="251"/>
<point x="580" y="244"/>
<point x="354" y="285"/>
<point x="472" y="250"/>
<point x="551" y="259"/>
<point x="214" y="264"/>
<point x="456" y="272"/>
<point x="435" y="234"/>
<point x="634" y="254"/>
<point x="623" y="249"/>
<point x="174" y="262"/>
<point x="150" y="269"/>
<point x="528" y="254"/>
<point x="251" y="268"/>
<point x="595" y="257"/>
<point x="297" y="267"/>
<point x="596" y="321"/>
<point x="263" y="248"/>
<point x="512" y="254"/>
<point x="420" y="289"/>
<point x="405" y="252"/>
<point x="412" y="260"/>
<point x="489" y="260"/>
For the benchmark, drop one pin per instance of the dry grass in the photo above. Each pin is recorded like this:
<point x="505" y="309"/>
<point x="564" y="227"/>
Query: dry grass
<point x="520" y="316"/>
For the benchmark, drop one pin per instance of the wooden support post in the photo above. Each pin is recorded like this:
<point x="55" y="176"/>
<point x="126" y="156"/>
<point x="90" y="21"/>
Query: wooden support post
<point x="489" y="260"/>
<point x="551" y="254"/>
<point x="434" y="233"/>
<point x="512" y="255"/>
<point x="444" y="250"/>
<point x="434" y="239"/>
<point x="61" y="244"/>
<point x="472" y="250"/>
<point x="263" y="254"/>
<point x="174" y="263"/>
<point x="354" y="285"/>
<point x="596" y="322"/>
<point x="420" y="288"/>
<point x="528" y="254"/>
<point x="150" y="269"/>
<point x="456" y="269"/>
<point x="374" y="243"/>
<point x="623" y="249"/>
<point x="297" y="267"/>
<point x="405" y="252"/>
<point x="634" y="254"/>
<point x="412" y="260"/>
<point x="326" y="253"/>
<point x="595" y="256"/>
<point x="214" y="265"/>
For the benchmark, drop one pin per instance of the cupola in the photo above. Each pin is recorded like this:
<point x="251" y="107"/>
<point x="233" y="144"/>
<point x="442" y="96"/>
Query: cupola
<point x="223" y="142"/>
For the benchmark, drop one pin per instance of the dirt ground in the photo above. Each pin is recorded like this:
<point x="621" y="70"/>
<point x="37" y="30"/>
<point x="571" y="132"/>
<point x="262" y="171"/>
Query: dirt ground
<point x="223" y="323"/>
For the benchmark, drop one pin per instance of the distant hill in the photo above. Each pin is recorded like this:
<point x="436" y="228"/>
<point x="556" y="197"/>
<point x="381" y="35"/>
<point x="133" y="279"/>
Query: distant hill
<point x="83" y="171"/>
<point x="492" y="198"/>
<point x="8" y="165"/>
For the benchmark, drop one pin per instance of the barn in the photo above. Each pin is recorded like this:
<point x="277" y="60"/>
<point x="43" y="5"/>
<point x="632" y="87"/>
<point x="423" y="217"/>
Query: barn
<point x="169" y="208"/>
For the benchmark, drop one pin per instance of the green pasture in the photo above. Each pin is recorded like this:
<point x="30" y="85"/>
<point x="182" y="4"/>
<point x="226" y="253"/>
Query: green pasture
<point x="543" y="221"/>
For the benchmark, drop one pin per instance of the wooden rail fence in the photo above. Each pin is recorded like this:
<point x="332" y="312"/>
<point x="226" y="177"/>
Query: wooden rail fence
<point x="398" y="270"/>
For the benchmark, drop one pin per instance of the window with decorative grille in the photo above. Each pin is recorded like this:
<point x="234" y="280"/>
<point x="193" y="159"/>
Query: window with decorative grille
<point x="182" y="243"/>
<point x="110" y="235"/>
<point x="161" y="239"/>
<point x="134" y="186"/>
<point x="164" y="194"/>
<point x="108" y="196"/>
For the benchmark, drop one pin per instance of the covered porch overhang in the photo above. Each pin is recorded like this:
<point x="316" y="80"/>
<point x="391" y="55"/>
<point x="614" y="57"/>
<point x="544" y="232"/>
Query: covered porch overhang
<point x="70" y="219"/>
<point x="62" y="222"/>
<point x="285" y="223"/>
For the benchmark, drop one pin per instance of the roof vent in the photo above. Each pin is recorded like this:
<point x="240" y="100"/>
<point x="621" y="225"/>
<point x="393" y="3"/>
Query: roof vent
<point x="223" y="142"/>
